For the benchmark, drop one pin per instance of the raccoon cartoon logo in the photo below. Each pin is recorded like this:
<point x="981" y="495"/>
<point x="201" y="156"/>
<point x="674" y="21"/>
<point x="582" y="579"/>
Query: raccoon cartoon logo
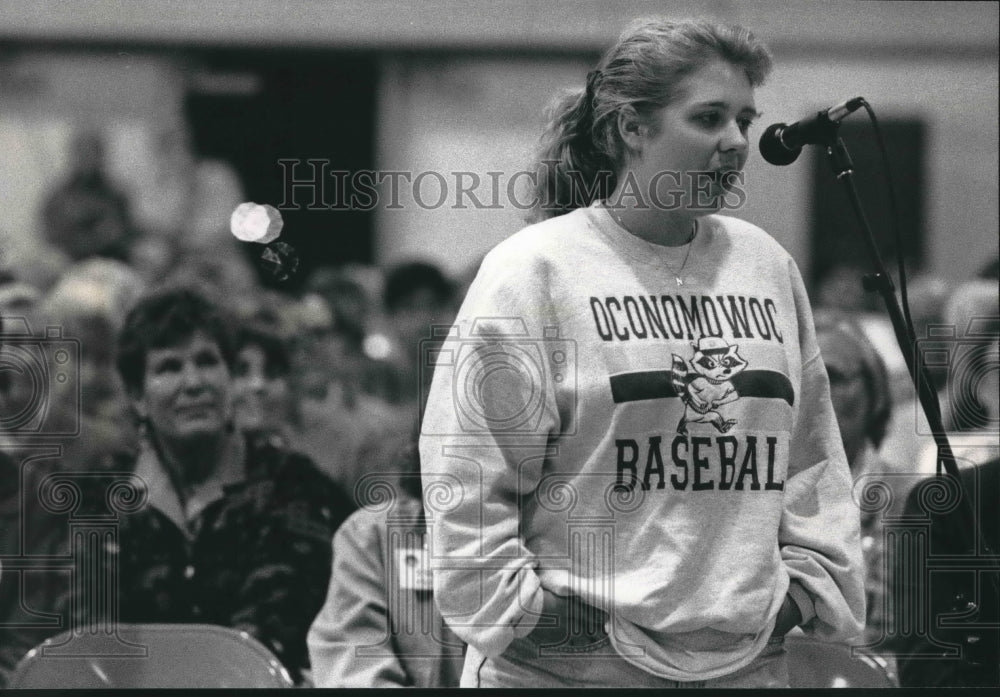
<point x="706" y="386"/>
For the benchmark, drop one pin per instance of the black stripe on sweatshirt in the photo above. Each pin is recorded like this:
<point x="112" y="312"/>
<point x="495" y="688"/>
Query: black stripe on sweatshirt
<point x="657" y="384"/>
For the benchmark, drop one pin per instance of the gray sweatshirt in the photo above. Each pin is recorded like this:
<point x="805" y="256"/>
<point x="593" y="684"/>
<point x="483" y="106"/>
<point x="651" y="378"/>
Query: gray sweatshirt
<point x="665" y="450"/>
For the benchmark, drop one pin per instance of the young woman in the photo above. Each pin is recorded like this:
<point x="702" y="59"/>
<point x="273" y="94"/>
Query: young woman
<point x="639" y="476"/>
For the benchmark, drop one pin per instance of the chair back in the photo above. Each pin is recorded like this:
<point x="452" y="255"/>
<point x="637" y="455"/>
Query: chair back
<point x="819" y="664"/>
<point x="151" y="656"/>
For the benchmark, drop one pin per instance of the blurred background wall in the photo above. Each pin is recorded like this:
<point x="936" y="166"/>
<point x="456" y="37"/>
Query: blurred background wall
<point x="449" y="86"/>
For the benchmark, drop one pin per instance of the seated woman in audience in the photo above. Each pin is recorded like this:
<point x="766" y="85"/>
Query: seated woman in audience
<point x="28" y="593"/>
<point x="88" y="304"/>
<point x="379" y="626"/>
<point x="348" y="432"/>
<point x="970" y="400"/>
<point x="85" y="427"/>
<point x="231" y="531"/>
<point x="859" y="389"/>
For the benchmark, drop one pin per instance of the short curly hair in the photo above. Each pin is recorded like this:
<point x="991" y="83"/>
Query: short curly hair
<point x="167" y="318"/>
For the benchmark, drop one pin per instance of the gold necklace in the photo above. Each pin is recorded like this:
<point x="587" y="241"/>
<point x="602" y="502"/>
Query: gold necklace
<point x="689" y="243"/>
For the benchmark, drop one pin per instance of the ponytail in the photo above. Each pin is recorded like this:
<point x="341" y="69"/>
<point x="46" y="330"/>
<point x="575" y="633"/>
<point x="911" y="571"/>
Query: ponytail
<point x="571" y="172"/>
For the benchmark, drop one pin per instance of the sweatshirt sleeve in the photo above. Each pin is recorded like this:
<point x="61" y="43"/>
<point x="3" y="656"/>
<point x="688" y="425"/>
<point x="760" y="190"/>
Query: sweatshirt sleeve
<point x="354" y="614"/>
<point x="488" y="419"/>
<point x="820" y="536"/>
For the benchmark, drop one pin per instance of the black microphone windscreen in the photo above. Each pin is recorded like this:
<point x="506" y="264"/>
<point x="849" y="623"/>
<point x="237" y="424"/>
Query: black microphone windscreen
<point x="773" y="150"/>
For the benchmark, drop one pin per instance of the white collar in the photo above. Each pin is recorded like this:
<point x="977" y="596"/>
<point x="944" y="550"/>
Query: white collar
<point x="163" y="495"/>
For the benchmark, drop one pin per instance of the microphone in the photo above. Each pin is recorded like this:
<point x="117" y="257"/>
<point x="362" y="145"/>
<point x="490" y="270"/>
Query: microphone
<point x="781" y="144"/>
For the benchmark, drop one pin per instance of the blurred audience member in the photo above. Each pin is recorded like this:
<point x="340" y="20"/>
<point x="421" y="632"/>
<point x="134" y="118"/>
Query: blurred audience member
<point x="28" y="596"/>
<point x="970" y="398"/>
<point x="358" y="319"/>
<point x="287" y="380"/>
<point x="262" y="398"/>
<point x="903" y="442"/>
<point x="349" y="301"/>
<point x="971" y="412"/>
<point x="417" y="296"/>
<point x="163" y="207"/>
<point x="102" y="286"/>
<point x="234" y="531"/>
<point x="859" y="390"/>
<point x="88" y="306"/>
<point x="220" y="271"/>
<point x="192" y="198"/>
<point x="334" y="419"/>
<point x="86" y="215"/>
<point x="17" y="299"/>
<point x="153" y="256"/>
<point x="216" y="191"/>
<point x="29" y="593"/>
<point x="379" y="626"/>
<point x="21" y="591"/>
<point x="32" y="261"/>
<point x="18" y="308"/>
<point x="330" y="414"/>
<point x="321" y="350"/>
<point x="859" y="385"/>
<point x="927" y="294"/>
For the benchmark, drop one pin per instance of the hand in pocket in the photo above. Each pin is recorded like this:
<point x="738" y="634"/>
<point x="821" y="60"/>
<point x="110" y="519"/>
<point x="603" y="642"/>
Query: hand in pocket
<point x="567" y="621"/>
<point x="788" y="618"/>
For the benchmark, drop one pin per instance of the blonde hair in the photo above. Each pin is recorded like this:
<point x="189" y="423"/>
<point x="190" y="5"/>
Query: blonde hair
<point x="581" y="151"/>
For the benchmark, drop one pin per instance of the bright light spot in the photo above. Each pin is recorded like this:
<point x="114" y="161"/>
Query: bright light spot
<point x="377" y="346"/>
<point x="252" y="222"/>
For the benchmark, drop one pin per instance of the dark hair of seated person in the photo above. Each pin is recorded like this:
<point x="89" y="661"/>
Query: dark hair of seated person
<point x="167" y="318"/>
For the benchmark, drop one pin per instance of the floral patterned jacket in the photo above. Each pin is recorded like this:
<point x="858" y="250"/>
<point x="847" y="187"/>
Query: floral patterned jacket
<point x="256" y="558"/>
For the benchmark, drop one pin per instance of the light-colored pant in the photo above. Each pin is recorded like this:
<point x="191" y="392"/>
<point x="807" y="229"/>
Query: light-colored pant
<point x="599" y="665"/>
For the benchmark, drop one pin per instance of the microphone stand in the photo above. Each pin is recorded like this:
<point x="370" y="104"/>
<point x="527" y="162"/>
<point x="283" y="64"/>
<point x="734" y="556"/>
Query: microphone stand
<point x="879" y="281"/>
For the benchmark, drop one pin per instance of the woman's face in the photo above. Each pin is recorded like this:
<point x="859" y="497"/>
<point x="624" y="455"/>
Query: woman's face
<point x="702" y="134"/>
<point x="260" y="395"/>
<point x="186" y="390"/>
<point x="848" y="391"/>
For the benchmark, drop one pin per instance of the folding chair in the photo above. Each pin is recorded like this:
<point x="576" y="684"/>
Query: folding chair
<point x="152" y="656"/>
<point x="818" y="664"/>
